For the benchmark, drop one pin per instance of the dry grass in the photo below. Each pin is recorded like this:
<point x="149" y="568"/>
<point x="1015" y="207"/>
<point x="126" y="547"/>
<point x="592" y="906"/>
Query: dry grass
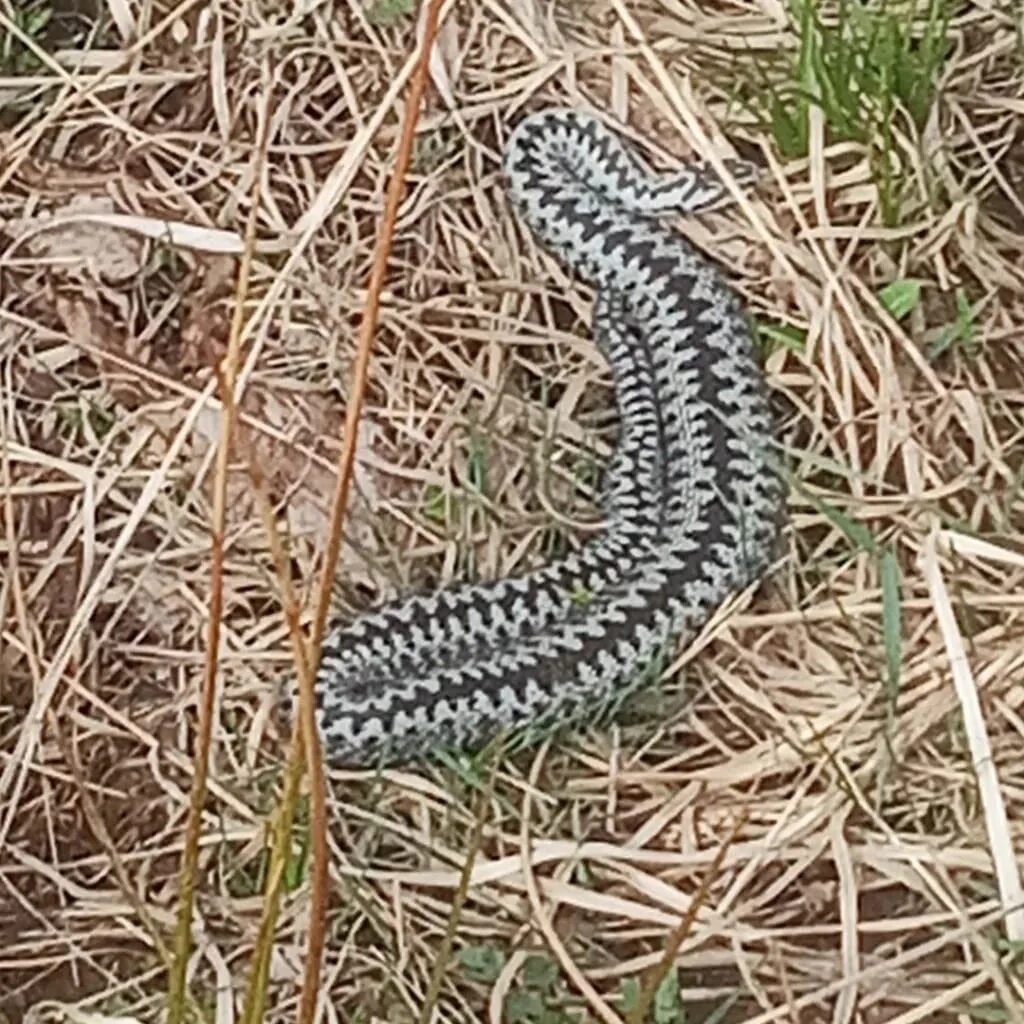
<point x="873" y="878"/>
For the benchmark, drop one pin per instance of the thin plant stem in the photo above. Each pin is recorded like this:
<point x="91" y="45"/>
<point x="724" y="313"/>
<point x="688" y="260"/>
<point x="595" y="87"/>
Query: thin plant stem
<point x="339" y="504"/>
<point x="201" y="762"/>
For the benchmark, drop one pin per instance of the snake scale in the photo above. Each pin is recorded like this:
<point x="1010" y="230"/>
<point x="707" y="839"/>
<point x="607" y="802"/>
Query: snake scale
<point x="692" y="499"/>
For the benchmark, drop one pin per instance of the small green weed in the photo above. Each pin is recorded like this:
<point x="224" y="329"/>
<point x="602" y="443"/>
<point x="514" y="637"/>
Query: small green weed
<point x="478" y="460"/>
<point x="457" y="510"/>
<point x="667" y="1007"/>
<point x="482" y="963"/>
<point x="772" y="337"/>
<point x="15" y="57"/>
<point x="861" y="538"/>
<point x="902" y="296"/>
<point x="387" y="12"/>
<point x="249" y="878"/>
<point x="436" y="503"/>
<point x="961" y="333"/>
<point x="871" y="67"/>
<point x="537" y="997"/>
<point x="298" y="861"/>
<point x="985" y="1013"/>
<point x="85" y="419"/>
<point x="432" y="149"/>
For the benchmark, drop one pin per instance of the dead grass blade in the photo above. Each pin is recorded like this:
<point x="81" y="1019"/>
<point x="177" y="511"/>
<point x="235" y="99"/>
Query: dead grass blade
<point x="996" y="822"/>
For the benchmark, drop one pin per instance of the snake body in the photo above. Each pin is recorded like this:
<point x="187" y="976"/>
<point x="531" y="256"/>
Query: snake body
<point x="692" y="502"/>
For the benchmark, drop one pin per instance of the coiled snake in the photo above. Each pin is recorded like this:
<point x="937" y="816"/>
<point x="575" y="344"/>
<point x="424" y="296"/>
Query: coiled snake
<point x="691" y="499"/>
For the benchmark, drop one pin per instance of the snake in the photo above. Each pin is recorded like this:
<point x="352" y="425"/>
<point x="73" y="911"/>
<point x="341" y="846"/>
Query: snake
<point x="692" y="497"/>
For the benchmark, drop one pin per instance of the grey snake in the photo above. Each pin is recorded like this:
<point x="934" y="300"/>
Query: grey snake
<point x="692" y="498"/>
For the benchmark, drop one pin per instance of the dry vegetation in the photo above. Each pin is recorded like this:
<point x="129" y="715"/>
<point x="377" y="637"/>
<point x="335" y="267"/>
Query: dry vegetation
<point x="863" y="708"/>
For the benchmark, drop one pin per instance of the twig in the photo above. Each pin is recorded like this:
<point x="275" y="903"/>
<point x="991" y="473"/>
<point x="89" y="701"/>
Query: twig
<point x="417" y="87"/>
<point x="441" y="962"/>
<point x="339" y="504"/>
<point x="190" y="854"/>
<point x="638" y="1014"/>
<point x="255" y="996"/>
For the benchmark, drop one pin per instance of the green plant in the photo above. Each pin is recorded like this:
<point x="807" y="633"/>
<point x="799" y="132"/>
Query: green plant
<point x="867" y="68"/>
<point x="860" y="538"/>
<point x="31" y="20"/>
<point x="537" y="997"/>
<point x="962" y="332"/>
<point x="387" y="12"/>
<point x="902" y="296"/>
<point x="774" y="336"/>
<point x="85" y="416"/>
<point x="668" y="1004"/>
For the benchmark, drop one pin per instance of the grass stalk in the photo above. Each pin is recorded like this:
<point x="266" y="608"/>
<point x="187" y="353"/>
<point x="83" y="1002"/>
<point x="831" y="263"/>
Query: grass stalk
<point x="204" y="733"/>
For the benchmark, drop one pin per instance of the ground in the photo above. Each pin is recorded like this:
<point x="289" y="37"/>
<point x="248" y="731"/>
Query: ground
<point x="851" y="727"/>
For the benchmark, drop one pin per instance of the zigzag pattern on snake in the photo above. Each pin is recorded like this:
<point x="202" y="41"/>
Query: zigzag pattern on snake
<point x="692" y="502"/>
